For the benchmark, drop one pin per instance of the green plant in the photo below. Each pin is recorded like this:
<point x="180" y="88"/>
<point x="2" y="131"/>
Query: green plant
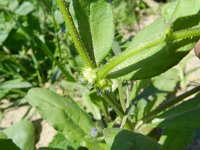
<point x="140" y="109"/>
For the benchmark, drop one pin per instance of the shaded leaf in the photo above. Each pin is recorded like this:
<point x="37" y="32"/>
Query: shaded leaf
<point x="167" y="81"/>
<point x="176" y="139"/>
<point x="118" y="139"/>
<point x="5" y="27"/>
<point x="177" y="117"/>
<point x="7" y="144"/>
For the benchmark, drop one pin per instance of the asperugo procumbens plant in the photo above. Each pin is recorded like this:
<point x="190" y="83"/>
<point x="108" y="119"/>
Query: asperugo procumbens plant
<point x="154" y="50"/>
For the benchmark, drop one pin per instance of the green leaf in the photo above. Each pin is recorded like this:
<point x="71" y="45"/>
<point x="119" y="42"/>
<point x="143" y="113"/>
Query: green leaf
<point x="62" y="113"/>
<point x="60" y="142"/>
<point x="25" y="8"/>
<point x="11" y="84"/>
<point x="49" y="148"/>
<point x="74" y="89"/>
<point x="22" y="134"/>
<point x="140" y="108"/>
<point x="177" y="117"/>
<point x="180" y="8"/>
<point x="91" y="17"/>
<point x="167" y="81"/>
<point x="176" y="139"/>
<point x="118" y="139"/>
<point x="159" y="57"/>
<point x="7" y="144"/>
<point x="5" y="27"/>
<point x="2" y="135"/>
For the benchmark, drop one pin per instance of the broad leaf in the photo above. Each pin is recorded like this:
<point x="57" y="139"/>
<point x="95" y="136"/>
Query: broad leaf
<point x="180" y="8"/>
<point x="118" y="139"/>
<point x="94" y="21"/>
<point x="22" y="134"/>
<point x="60" y="142"/>
<point x="7" y="144"/>
<point x="77" y="90"/>
<point x="152" y="61"/>
<point x="176" y="139"/>
<point x="62" y="113"/>
<point x="167" y="81"/>
<point x="183" y="116"/>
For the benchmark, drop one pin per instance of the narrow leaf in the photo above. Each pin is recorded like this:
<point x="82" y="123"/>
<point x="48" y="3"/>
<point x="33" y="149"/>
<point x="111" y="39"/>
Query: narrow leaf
<point x="11" y="84"/>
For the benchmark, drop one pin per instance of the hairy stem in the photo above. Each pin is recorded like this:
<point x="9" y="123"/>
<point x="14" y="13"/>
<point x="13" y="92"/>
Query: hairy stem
<point x="103" y="71"/>
<point x="170" y="102"/>
<point x="74" y="33"/>
<point x="112" y="102"/>
<point x="118" y="109"/>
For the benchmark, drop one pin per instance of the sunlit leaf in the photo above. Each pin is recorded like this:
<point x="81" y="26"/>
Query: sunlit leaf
<point x="152" y="61"/>
<point x="90" y="18"/>
<point x="22" y="134"/>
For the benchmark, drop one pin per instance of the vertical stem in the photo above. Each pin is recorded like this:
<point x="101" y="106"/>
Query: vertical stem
<point x="74" y="33"/>
<point x="122" y="102"/>
<point x="56" y="34"/>
<point x="111" y="101"/>
<point x="37" y="68"/>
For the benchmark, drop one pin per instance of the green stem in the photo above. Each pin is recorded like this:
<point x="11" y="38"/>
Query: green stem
<point x="56" y="34"/>
<point x="113" y="103"/>
<point x="118" y="109"/>
<point x="74" y="33"/>
<point x="103" y="71"/>
<point x="36" y="65"/>
<point x="122" y="102"/>
<point x="185" y="33"/>
<point x="168" y="103"/>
